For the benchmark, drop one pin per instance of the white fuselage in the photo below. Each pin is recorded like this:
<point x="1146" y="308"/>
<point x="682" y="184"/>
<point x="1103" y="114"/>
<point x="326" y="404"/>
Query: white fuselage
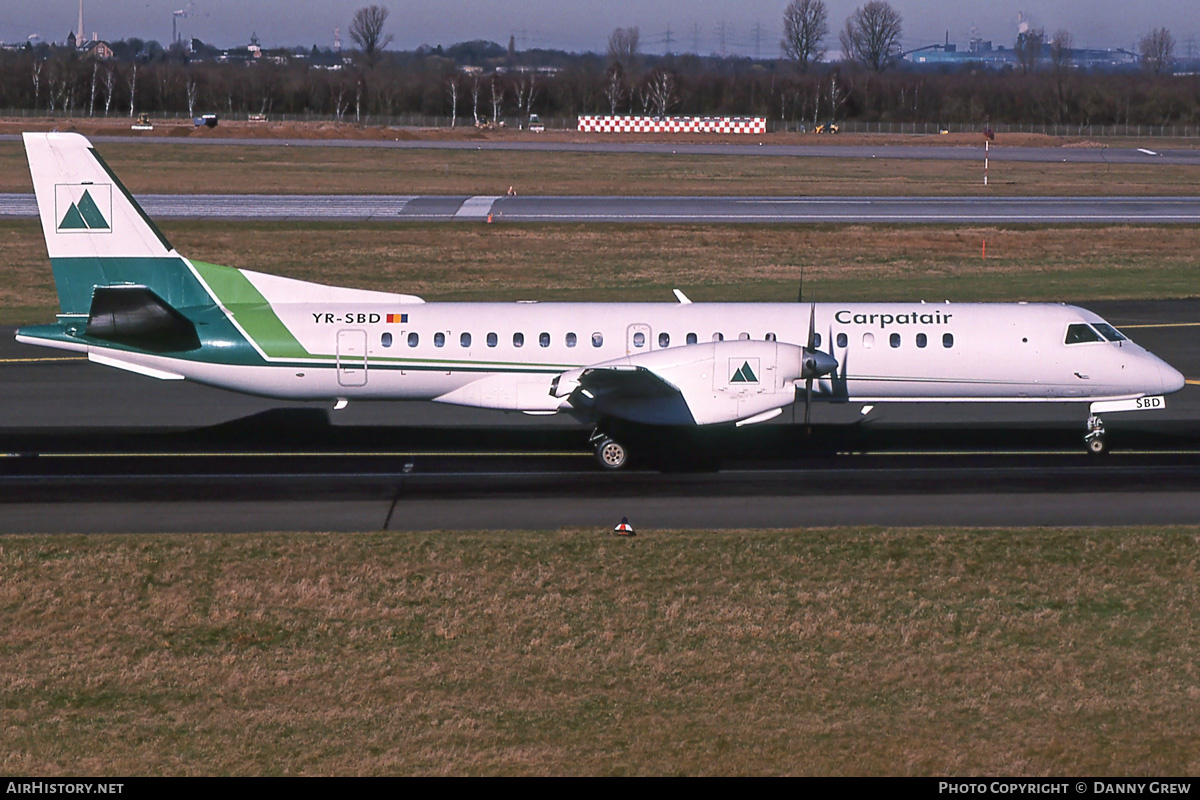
<point x="506" y="355"/>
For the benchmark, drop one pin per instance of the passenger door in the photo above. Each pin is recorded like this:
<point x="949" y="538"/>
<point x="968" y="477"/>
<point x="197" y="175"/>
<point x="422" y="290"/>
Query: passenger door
<point x="352" y="358"/>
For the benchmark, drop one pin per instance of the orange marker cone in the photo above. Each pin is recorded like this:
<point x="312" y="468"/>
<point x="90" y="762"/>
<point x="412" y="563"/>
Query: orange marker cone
<point x="624" y="528"/>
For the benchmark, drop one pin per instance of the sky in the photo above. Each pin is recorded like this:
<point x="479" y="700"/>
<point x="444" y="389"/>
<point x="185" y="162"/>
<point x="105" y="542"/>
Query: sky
<point x="747" y="27"/>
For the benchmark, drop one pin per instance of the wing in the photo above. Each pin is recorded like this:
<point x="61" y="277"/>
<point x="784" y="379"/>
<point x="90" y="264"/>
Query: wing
<point x="630" y="392"/>
<point x="700" y="384"/>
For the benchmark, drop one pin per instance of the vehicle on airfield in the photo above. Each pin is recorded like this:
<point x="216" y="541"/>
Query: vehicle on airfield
<point x="129" y="300"/>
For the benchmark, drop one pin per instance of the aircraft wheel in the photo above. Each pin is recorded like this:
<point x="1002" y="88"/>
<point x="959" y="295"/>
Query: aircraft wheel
<point x="1097" y="446"/>
<point x="611" y="454"/>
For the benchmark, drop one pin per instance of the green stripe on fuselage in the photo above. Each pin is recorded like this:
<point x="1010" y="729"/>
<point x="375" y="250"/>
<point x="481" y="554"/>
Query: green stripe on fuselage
<point x="252" y="311"/>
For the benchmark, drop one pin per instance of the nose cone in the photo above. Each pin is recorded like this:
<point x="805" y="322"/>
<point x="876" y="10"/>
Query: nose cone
<point x="817" y="363"/>
<point x="1172" y="379"/>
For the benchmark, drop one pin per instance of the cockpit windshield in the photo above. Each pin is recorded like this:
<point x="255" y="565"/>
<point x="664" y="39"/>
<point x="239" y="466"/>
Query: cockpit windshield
<point x="1109" y="332"/>
<point x="1080" y="333"/>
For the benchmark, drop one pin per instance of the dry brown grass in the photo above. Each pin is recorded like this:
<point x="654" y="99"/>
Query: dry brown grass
<point x="644" y="262"/>
<point x="177" y="168"/>
<point x="803" y="652"/>
<point x="326" y="130"/>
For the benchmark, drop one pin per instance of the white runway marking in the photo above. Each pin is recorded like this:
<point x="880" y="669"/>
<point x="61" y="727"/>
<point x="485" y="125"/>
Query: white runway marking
<point x="476" y="207"/>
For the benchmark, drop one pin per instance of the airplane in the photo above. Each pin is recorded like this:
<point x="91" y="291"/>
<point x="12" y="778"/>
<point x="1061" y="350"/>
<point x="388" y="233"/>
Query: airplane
<point x="129" y="300"/>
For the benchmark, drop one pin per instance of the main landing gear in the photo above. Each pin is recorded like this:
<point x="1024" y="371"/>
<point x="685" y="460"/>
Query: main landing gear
<point x="1095" y="436"/>
<point x="610" y="453"/>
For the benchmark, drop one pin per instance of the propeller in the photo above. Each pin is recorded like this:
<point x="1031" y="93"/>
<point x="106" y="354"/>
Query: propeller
<point x="809" y="347"/>
<point x="816" y="364"/>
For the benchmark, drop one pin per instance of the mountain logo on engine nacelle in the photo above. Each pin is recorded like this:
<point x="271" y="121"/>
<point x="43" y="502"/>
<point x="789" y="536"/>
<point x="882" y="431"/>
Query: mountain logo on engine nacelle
<point x="745" y="373"/>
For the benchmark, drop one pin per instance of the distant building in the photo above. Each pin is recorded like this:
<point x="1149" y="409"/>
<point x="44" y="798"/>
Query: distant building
<point x="98" y="49"/>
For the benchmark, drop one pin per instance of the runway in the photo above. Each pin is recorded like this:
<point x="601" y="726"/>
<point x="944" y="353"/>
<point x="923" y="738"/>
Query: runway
<point x="180" y="495"/>
<point x="95" y="449"/>
<point x="790" y="210"/>
<point x="998" y="151"/>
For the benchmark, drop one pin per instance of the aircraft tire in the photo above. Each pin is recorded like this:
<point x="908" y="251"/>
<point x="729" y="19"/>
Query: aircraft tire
<point x="611" y="454"/>
<point x="1097" y="446"/>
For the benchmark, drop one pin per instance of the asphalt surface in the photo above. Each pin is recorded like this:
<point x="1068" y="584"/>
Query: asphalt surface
<point x="96" y="449"/>
<point x="901" y="491"/>
<point x="997" y="152"/>
<point x="462" y="208"/>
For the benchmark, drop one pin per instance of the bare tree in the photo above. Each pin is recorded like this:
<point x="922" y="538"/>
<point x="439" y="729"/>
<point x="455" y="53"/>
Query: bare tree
<point x="1158" y="50"/>
<point x="527" y="89"/>
<point x="838" y="95"/>
<point x="497" y="98"/>
<point x="659" y="93"/>
<point x="132" y="89"/>
<point x="614" y="87"/>
<point x="1029" y="48"/>
<point x="623" y="45"/>
<point x="475" y="99"/>
<point x="1060" y="59"/>
<point x="805" y="25"/>
<point x="452" y="90"/>
<point x="92" y="98"/>
<point x="110" y="81"/>
<point x="872" y="35"/>
<point x="37" y="79"/>
<point x="1060" y="49"/>
<point x="192" y="91"/>
<point x="367" y="32"/>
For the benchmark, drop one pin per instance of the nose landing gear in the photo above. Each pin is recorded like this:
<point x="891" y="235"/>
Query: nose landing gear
<point x="1094" y="439"/>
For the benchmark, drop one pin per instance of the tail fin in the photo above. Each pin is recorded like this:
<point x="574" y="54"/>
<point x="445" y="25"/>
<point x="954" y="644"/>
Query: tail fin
<point x="96" y="233"/>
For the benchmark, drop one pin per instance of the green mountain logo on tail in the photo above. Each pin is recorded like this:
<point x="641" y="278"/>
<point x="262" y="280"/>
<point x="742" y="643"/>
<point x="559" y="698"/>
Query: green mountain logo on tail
<point x="83" y="209"/>
<point x="744" y="373"/>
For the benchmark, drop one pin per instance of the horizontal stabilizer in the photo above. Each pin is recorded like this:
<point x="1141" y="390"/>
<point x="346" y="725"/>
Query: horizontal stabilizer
<point x="136" y="316"/>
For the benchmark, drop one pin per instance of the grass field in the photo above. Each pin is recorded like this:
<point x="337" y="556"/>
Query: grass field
<point x="177" y="168"/>
<point x="644" y="262"/>
<point x="851" y="651"/>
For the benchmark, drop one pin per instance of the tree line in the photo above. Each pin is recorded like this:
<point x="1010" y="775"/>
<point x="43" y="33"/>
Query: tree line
<point x="479" y="82"/>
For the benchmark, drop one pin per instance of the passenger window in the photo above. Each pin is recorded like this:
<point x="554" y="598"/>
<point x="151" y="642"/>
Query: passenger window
<point x="465" y="340"/>
<point x="770" y="337"/>
<point x="386" y="340"/>
<point x="664" y="340"/>
<point x="841" y="340"/>
<point x="571" y="340"/>
<point x="692" y="338"/>
<point x="518" y="340"/>
<point x="639" y="339"/>
<point x="1078" y="334"/>
<point x="439" y="339"/>
<point x="868" y="340"/>
<point x="492" y="340"/>
<point x="544" y="339"/>
<point x="718" y="337"/>
<point x="745" y="337"/>
<point x="597" y="339"/>
<point x="816" y="340"/>
<point x="413" y="339"/>
<point x="894" y="340"/>
<point x="947" y="340"/>
<point x="922" y="340"/>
